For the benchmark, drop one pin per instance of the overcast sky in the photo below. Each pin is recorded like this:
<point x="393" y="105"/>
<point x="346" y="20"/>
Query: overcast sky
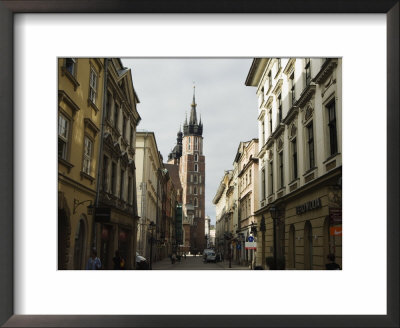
<point x="228" y="108"/>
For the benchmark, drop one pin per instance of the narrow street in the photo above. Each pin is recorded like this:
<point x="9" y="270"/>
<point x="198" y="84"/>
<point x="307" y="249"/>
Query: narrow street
<point x="195" y="263"/>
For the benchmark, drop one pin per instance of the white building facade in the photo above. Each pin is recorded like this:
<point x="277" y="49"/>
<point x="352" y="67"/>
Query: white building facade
<point x="300" y="160"/>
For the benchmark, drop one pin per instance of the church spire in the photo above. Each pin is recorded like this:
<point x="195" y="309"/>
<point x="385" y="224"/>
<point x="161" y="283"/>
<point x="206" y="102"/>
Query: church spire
<point x="193" y="114"/>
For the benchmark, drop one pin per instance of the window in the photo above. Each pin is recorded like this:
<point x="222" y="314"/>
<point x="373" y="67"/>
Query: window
<point x="196" y="168"/>
<point x="195" y="202"/>
<point x="70" y="65"/>
<point x="92" y="85"/>
<point x="63" y="133"/>
<point x="292" y="90"/>
<point x="279" y="108"/>
<point x="271" y="177"/>
<point x="281" y="179"/>
<point x="104" y="173"/>
<point x="263" y="184"/>
<point x="109" y="105"/>
<point x="116" y="114"/>
<point x="250" y="176"/>
<point x="130" y="187"/>
<point x="124" y="122"/>
<point x="333" y="147"/>
<point x="196" y="157"/>
<point x="269" y="80"/>
<point x="122" y="185"/>
<point x="310" y="145"/>
<point x="201" y="190"/>
<point x="191" y="178"/>
<point x="294" y="158"/>
<point x="131" y="137"/>
<point x="195" y="178"/>
<point x="114" y="178"/>
<point x="87" y="155"/>
<point x="196" y="144"/>
<point x="270" y="122"/>
<point x="262" y="133"/>
<point x="190" y="190"/>
<point x="194" y="190"/>
<point x="189" y="143"/>
<point x="307" y="69"/>
<point x="200" y="179"/>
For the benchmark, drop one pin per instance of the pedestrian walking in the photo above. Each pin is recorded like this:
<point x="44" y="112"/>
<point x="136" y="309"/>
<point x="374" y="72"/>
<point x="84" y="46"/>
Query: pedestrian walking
<point x="332" y="265"/>
<point x="119" y="262"/>
<point x="94" y="262"/>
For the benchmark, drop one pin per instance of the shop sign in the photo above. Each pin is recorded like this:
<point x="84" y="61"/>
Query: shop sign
<point x="311" y="205"/>
<point x="103" y="214"/>
<point x="335" y="215"/>
<point x="250" y="245"/>
<point x="335" y="231"/>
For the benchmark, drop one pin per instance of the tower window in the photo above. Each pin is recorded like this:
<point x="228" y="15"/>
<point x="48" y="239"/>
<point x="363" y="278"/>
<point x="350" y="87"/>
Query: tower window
<point x="196" y="157"/>
<point x="196" y="167"/>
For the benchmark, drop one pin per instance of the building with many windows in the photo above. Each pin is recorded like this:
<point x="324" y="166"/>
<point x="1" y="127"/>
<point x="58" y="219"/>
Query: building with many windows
<point x="300" y="159"/>
<point x="80" y="101"/>
<point x="116" y="213"/>
<point x="188" y="154"/>
<point x="248" y="191"/>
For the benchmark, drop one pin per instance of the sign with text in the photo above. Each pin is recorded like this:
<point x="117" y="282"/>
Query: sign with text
<point x="250" y="245"/>
<point x="311" y="205"/>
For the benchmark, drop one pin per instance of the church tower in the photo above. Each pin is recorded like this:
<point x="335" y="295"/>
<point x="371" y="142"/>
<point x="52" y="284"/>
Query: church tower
<point x="188" y="153"/>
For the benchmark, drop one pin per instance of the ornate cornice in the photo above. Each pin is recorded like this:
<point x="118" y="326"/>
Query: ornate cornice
<point x="289" y="66"/>
<point x="306" y="95"/>
<point x="327" y="68"/>
<point x="291" y="115"/>
<point x="91" y="125"/>
<point x="278" y="87"/>
<point x="63" y="96"/>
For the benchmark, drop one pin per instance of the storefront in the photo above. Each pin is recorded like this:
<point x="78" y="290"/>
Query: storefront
<point x="308" y="226"/>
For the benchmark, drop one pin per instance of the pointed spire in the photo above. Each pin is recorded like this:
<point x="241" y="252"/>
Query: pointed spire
<point x="200" y="120"/>
<point x="193" y="115"/>
<point x="194" y="98"/>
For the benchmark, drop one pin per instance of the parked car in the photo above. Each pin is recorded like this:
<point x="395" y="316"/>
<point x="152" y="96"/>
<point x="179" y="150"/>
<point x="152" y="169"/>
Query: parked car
<point x="211" y="257"/>
<point x="141" y="262"/>
<point x="206" y="252"/>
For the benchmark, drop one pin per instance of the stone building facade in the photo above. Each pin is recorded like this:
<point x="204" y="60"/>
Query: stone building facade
<point x="116" y="212"/>
<point x="300" y="159"/>
<point x="188" y="154"/>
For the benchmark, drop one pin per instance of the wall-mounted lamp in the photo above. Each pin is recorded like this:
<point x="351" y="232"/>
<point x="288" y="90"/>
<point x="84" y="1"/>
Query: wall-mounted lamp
<point x="90" y="207"/>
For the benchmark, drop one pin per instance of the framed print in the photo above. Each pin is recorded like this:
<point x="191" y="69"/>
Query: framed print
<point x="36" y="294"/>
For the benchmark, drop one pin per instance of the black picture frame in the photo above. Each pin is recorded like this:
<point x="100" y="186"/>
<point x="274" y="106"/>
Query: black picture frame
<point x="8" y="200"/>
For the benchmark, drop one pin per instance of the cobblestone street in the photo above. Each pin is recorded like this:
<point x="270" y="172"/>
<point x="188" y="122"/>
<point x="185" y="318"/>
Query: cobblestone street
<point x="195" y="263"/>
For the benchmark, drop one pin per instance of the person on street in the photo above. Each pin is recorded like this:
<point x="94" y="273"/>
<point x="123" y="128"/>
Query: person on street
<point x="94" y="262"/>
<point x="332" y="265"/>
<point x="119" y="262"/>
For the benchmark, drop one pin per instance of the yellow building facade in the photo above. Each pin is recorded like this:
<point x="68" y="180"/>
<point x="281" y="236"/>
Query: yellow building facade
<point x="80" y="99"/>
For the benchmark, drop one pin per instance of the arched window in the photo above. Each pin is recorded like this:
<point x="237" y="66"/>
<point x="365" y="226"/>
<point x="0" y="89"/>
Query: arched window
<point x="195" y="201"/>
<point x="196" y="157"/>
<point x="292" y="247"/>
<point x="308" y="246"/>
<point x="196" y="168"/>
<point x="194" y="190"/>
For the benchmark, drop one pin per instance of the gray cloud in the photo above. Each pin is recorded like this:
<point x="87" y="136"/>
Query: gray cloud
<point x="228" y="108"/>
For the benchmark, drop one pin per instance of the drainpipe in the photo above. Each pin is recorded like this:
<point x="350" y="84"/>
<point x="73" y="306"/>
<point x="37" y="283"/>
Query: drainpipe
<point x="100" y="159"/>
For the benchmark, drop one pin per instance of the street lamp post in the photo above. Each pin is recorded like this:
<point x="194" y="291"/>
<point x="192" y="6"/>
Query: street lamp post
<point x="151" y="228"/>
<point x="275" y="215"/>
